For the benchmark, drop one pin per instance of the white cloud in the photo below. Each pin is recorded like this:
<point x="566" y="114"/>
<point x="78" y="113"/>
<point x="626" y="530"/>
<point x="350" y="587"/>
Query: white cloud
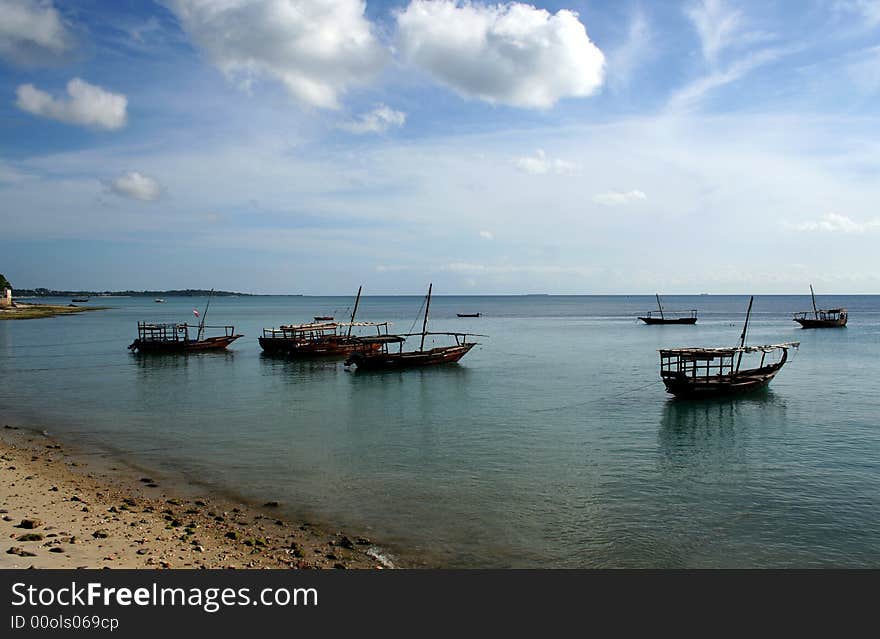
<point x="506" y="53"/>
<point x="540" y="164"/>
<point x="617" y="198"/>
<point x="868" y="10"/>
<point x="317" y="49"/>
<point x="378" y="120"/>
<point x="32" y="32"/>
<point x="487" y="235"/>
<point x="837" y="223"/>
<point x="136" y="186"/>
<point x="88" y="105"/>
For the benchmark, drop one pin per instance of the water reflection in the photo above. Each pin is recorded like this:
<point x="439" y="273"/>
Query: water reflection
<point x="718" y="430"/>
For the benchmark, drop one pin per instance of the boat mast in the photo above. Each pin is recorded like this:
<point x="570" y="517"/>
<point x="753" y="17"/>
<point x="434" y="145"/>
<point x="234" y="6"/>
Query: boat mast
<point x="204" y="315"/>
<point x="813" y="295"/>
<point x="657" y="295"/>
<point x="354" y="312"/>
<point x="742" y="339"/>
<point x="425" y="323"/>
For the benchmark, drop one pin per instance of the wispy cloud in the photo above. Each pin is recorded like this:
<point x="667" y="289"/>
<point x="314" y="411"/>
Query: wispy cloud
<point x="540" y="164"/>
<point x="487" y="235"/>
<point x="618" y="198"/>
<point x="692" y="94"/>
<point x="378" y="120"/>
<point x="87" y="105"/>
<point x="716" y="24"/>
<point x="837" y="223"/>
<point x="624" y="59"/>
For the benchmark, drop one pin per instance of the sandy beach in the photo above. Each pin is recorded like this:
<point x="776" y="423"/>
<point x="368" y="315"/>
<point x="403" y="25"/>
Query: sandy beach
<point x="61" y="509"/>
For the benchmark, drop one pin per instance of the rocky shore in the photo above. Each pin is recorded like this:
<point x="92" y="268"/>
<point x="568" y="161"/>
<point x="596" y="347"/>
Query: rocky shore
<point x="60" y="509"/>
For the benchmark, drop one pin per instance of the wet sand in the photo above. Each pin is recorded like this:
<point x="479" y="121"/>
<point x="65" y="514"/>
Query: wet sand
<point x="61" y="509"/>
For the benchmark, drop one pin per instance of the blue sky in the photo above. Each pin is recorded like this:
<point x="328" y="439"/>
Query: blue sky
<point x="281" y="146"/>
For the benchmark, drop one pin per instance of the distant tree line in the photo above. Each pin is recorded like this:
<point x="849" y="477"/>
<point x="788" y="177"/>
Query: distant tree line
<point x="186" y="292"/>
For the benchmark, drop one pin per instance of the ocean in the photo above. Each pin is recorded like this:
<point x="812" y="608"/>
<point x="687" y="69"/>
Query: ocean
<point x="551" y="444"/>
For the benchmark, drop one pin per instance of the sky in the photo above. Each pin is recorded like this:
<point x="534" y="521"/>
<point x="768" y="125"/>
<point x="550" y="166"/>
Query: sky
<point x="563" y="147"/>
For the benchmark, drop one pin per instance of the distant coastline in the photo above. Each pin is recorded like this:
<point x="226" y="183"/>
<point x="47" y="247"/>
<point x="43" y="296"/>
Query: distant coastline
<point x="186" y="292"/>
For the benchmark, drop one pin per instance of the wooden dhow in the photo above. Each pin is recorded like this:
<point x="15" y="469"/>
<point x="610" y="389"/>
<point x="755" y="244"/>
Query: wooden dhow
<point x="376" y="353"/>
<point x="661" y="317"/>
<point x="712" y="372"/>
<point x="821" y="318"/>
<point x="176" y="338"/>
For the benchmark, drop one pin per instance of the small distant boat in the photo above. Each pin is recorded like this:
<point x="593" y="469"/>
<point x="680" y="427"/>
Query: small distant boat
<point x="691" y="373"/>
<point x="651" y="318"/>
<point x="175" y="338"/>
<point x="373" y="353"/>
<point x="469" y="314"/>
<point x="80" y="299"/>
<point x="323" y="318"/>
<point x="159" y="300"/>
<point x="821" y="318"/>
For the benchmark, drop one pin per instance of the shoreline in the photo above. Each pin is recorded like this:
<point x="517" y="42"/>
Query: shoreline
<point x="62" y="508"/>
<point x="23" y="311"/>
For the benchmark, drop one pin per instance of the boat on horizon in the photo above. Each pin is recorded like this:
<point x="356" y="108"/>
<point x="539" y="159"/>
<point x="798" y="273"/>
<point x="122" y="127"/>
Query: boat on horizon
<point x="374" y="353"/>
<point x="469" y="314"/>
<point x="821" y="318"/>
<point x="690" y="373"/>
<point x="159" y="300"/>
<point x="318" y="338"/>
<point x="323" y="318"/>
<point x="175" y="338"/>
<point x="651" y="318"/>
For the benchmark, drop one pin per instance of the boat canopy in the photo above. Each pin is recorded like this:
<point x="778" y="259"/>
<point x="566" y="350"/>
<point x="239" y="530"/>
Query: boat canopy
<point x="712" y="353"/>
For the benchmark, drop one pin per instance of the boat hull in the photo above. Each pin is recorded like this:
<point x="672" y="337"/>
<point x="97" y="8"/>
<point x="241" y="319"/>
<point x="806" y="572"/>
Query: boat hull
<point x="819" y="323"/>
<point x="296" y="348"/>
<point x="184" y="346"/>
<point x="677" y="320"/>
<point x="686" y="387"/>
<point x="414" y="359"/>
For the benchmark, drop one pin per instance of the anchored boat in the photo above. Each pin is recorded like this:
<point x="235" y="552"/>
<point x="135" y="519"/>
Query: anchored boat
<point x="376" y="353"/>
<point x="711" y="372"/>
<point x="821" y="318"/>
<point x="175" y="338"/>
<point x="318" y="338"/>
<point x="661" y="318"/>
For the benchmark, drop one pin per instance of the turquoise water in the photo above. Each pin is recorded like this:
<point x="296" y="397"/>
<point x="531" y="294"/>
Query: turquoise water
<point x="553" y="443"/>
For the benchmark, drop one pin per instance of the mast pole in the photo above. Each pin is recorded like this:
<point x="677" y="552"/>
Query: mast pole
<point x="657" y="295"/>
<point x="204" y="316"/>
<point x="813" y="295"/>
<point x="354" y="312"/>
<point x="742" y="339"/>
<point x="425" y="323"/>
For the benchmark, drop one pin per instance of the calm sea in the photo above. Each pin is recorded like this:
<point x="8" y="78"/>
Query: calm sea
<point x="552" y="443"/>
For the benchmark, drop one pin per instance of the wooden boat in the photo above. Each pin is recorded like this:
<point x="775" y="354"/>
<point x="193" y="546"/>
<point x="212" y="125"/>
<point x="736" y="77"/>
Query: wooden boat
<point x="374" y="353"/>
<point x="469" y="314"/>
<point x="661" y="318"/>
<point x="318" y="338"/>
<point x="175" y="338"/>
<point x="711" y="372"/>
<point x="821" y="318"/>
